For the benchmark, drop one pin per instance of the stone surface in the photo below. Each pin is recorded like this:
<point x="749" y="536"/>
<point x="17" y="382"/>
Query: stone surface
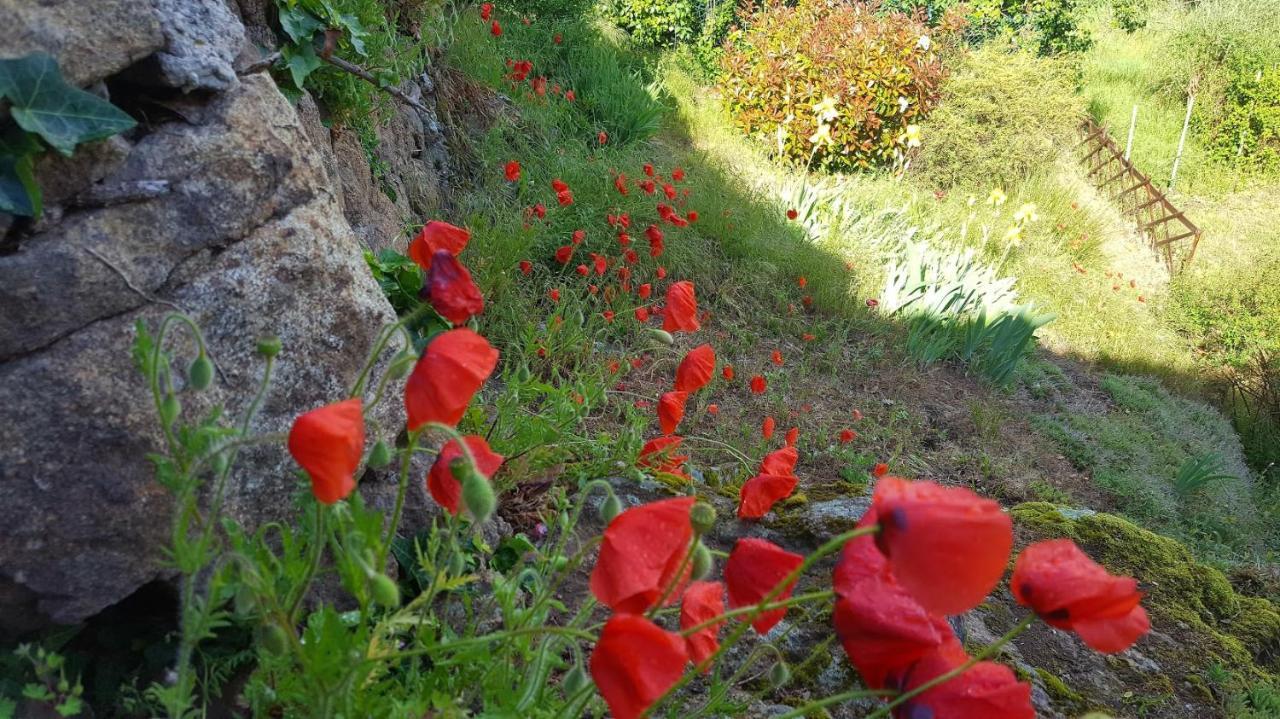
<point x="202" y="40"/>
<point x="250" y="242"/>
<point x="90" y="40"/>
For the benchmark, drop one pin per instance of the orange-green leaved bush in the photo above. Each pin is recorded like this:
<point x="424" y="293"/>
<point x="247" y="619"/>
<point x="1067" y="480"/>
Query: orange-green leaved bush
<point x="835" y="87"/>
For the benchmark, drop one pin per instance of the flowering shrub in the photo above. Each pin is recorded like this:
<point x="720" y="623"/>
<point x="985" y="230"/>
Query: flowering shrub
<point x="833" y="86"/>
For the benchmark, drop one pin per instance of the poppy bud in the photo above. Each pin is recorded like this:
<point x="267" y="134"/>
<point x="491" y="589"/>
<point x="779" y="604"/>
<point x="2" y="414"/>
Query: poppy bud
<point x="380" y="455"/>
<point x="201" y="372"/>
<point x="663" y="336"/>
<point x="384" y="590"/>
<point x="559" y="563"/>
<point x="457" y="563"/>
<point x="779" y="674"/>
<point x="611" y="508"/>
<point x="574" y="680"/>
<point x="220" y="462"/>
<point x="703" y="517"/>
<point x="170" y="408"/>
<point x="702" y="561"/>
<point x="477" y="494"/>
<point x="273" y="639"/>
<point x="401" y="364"/>
<point x="244" y="602"/>
<point x="269" y="347"/>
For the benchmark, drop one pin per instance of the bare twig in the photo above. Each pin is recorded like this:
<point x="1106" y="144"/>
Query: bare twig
<point x="260" y="65"/>
<point x="363" y="74"/>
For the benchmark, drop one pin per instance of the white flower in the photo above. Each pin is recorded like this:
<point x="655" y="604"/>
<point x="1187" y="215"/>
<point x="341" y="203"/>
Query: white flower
<point x="912" y="136"/>
<point x="997" y="197"/>
<point x="822" y="136"/>
<point x="924" y="42"/>
<point x="1026" y="213"/>
<point x="826" y="110"/>
<point x="903" y="104"/>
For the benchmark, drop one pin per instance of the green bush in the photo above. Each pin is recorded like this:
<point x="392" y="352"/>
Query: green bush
<point x="546" y="8"/>
<point x="1048" y="26"/>
<point x="1003" y="115"/>
<point x="654" y="22"/>
<point x="1129" y="15"/>
<point x="932" y="11"/>
<point x="834" y="87"/>
<point x="709" y="48"/>
<point x="1249" y="134"/>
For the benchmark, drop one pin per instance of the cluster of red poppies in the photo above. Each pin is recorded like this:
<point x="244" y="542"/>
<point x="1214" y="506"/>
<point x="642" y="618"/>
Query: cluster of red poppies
<point x="929" y="552"/>
<point x="328" y="442"/>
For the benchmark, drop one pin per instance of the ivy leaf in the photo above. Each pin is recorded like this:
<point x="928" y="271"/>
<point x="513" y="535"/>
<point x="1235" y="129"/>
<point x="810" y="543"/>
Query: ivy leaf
<point x="301" y="60"/>
<point x="19" y="193"/>
<point x="43" y="103"/>
<point x="356" y="33"/>
<point x="300" y="25"/>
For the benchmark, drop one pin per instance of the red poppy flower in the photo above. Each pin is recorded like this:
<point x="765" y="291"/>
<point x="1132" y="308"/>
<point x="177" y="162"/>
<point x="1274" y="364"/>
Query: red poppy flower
<point x="693" y="215"/>
<point x="602" y="137"/>
<point x="643" y="291"/>
<point x="659" y="455"/>
<point x="792" y="214"/>
<point x="702" y="602"/>
<point x="880" y="470"/>
<point x="802" y="281"/>
<point x="669" y="191"/>
<point x="564" y="254"/>
<point x="554" y="294"/>
<point x="677" y="174"/>
<point x="671" y="410"/>
<point x="642" y="314"/>
<point x="766" y="428"/>
<point x="486" y="10"/>
<point x="754" y="569"/>
<point x="847" y="436"/>
<point x="639" y="554"/>
<point x="436" y="236"/>
<point x="807" y="301"/>
<point x="526" y="267"/>
<point x="776" y="358"/>
<point x="607" y="315"/>
<point x="582" y="270"/>
<point x="600" y="263"/>
<point x="873" y="302"/>
<point x="782" y="461"/>
<point x="635" y="662"/>
<point x="565" y="198"/>
<point x="1071" y="591"/>
<point x="648" y="186"/>
<point x="558" y="185"/>
<point x="648" y="169"/>
<point x="540" y="210"/>
<point x="453" y="295"/>
<point x="447" y="376"/>
<point x="446" y="490"/>
<point x="327" y="443"/>
<point x="761" y="492"/>
<point x="661" y="272"/>
<point x="727" y="373"/>
<point x="513" y="171"/>
<point x="793" y="436"/>
<point x="495" y="29"/>
<point x="925" y="526"/>
<point x="682" y="308"/>
<point x="655" y="240"/>
<point x="578" y="236"/>
<point x="758" y="385"/>
<point x="983" y="691"/>
<point x="696" y="369"/>
<point x="569" y="96"/>
<point x="713" y="409"/>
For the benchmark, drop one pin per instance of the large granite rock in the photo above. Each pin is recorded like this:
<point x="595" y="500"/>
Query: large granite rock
<point x="250" y="241"/>
<point x="90" y="40"/>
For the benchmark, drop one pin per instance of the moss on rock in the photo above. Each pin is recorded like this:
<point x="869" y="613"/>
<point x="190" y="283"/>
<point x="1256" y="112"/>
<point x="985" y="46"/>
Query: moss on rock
<point x="1188" y="600"/>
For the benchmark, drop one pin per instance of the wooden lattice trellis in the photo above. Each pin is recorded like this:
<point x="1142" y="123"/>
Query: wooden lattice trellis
<point x="1166" y="229"/>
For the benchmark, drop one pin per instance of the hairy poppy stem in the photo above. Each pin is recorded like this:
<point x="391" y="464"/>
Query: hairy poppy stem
<point x="835" y="699"/>
<point x="832" y="545"/>
<point x="811" y="596"/>
<point x="394" y="525"/>
<point x="988" y="652"/>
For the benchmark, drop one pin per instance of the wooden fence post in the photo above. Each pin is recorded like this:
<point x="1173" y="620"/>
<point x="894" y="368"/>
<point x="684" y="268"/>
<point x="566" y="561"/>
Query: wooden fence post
<point x="1133" y="125"/>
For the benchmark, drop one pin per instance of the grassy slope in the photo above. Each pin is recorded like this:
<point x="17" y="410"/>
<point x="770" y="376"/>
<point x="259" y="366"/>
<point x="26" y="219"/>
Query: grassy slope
<point x="746" y="259"/>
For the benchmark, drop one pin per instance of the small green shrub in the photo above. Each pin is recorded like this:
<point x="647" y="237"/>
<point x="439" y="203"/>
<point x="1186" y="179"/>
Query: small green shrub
<point x="1048" y="26"/>
<point x="832" y="86"/>
<point x="1129" y="15"/>
<point x="709" y="47"/>
<point x="654" y="22"/>
<point x="1003" y="116"/>
<point x="931" y="11"/>
<point x="1249" y="134"/>
<point x="546" y="8"/>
